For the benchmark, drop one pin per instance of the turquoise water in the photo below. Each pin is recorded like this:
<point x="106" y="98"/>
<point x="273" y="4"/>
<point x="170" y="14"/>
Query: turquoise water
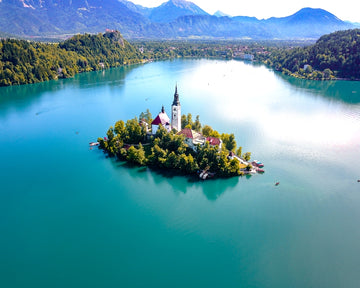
<point x="70" y="217"/>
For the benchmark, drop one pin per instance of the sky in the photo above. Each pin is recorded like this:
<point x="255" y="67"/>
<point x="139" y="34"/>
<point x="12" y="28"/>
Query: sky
<point x="263" y="9"/>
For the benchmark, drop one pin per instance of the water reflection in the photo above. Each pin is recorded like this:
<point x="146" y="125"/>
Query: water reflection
<point x="213" y="189"/>
<point x="343" y="91"/>
<point x="22" y="96"/>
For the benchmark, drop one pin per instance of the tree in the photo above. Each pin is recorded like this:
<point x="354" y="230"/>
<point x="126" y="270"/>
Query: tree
<point x="120" y="129"/>
<point x="231" y="144"/>
<point x="183" y="121"/>
<point x="247" y="156"/>
<point x="134" y="133"/>
<point x="239" y="151"/>
<point x="207" y="130"/>
<point x="136" y="156"/>
<point x="327" y="73"/>
<point x="110" y="133"/>
<point x="197" y="125"/>
<point x="229" y="141"/>
<point x="147" y="116"/>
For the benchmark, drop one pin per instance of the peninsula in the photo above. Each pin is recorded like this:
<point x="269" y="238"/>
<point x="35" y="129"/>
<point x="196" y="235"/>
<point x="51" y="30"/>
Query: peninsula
<point x="179" y="144"/>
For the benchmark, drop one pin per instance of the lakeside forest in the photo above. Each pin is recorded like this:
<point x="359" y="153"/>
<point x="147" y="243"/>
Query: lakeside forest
<point x="333" y="56"/>
<point x="167" y="150"/>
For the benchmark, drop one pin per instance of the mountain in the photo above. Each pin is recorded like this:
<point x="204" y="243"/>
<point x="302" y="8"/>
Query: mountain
<point x="173" y="19"/>
<point x="307" y="23"/>
<point x="218" y="13"/>
<point x="173" y="9"/>
<point x="145" y="11"/>
<point x="44" y="17"/>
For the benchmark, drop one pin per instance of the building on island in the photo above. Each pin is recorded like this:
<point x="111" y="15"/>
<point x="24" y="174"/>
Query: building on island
<point x="192" y="138"/>
<point x="162" y="119"/>
<point x="213" y="141"/>
<point x="176" y="112"/>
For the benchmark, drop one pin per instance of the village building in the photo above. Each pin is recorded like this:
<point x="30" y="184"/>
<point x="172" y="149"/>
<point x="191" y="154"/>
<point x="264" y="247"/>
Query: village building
<point x="192" y="138"/>
<point x="213" y="141"/>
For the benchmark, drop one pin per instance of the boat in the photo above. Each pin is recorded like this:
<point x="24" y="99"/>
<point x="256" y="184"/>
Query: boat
<point x="257" y="164"/>
<point x="94" y="143"/>
<point x="277" y="183"/>
<point x="204" y="174"/>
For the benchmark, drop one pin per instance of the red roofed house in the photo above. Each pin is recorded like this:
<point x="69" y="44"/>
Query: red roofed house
<point x="162" y="119"/>
<point x="192" y="138"/>
<point x="213" y="141"/>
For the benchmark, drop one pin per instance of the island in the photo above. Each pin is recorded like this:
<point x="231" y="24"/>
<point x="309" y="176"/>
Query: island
<point x="179" y="144"/>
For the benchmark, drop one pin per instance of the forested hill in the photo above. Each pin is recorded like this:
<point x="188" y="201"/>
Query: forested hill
<point x="333" y="55"/>
<point x="23" y="62"/>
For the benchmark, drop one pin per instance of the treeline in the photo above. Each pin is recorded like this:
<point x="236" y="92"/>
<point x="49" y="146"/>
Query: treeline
<point x="24" y="62"/>
<point x="166" y="150"/>
<point x="336" y="55"/>
<point x="227" y="49"/>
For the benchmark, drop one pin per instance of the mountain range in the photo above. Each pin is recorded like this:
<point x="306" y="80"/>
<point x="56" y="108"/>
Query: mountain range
<point x="171" y="20"/>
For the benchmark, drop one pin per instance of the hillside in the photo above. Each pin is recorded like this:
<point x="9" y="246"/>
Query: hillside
<point x="23" y="62"/>
<point x="172" y="19"/>
<point x="333" y="55"/>
<point x="173" y="9"/>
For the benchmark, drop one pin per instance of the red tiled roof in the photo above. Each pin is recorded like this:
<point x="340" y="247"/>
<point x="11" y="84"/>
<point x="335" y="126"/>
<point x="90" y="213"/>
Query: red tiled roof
<point x="213" y="141"/>
<point x="162" y="119"/>
<point x="187" y="132"/>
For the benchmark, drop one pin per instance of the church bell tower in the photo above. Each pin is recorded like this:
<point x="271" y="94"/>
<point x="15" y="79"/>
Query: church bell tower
<point x="176" y="112"/>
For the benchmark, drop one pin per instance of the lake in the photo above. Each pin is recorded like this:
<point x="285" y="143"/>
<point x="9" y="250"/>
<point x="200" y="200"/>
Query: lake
<point x="70" y="217"/>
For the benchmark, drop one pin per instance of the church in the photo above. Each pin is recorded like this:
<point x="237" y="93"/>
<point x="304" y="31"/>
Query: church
<point x="192" y="138"/>
<point x="164" y="119"/>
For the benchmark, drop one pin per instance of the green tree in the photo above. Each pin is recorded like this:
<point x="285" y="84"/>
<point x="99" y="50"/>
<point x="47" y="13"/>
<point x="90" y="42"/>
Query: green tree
<point x="120" y="129"/>
<point x="207" y="130"/>
<point x="110" y="133"/>
<point x="197" y="125"/>
<point x="247" y="156"/>
<point x="136" y="156"/>
<point x="134" y="133"/>
<point x="231" y="143"/>
<point x="239" y="151"/>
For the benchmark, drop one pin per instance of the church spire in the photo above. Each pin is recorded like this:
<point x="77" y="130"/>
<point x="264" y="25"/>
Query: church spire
<point x="176" y="97"/>
<point x="176" y="112"/>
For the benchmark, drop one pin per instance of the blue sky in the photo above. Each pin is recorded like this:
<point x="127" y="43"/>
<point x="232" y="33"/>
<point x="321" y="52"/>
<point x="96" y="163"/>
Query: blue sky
<point x="345" y="9"/>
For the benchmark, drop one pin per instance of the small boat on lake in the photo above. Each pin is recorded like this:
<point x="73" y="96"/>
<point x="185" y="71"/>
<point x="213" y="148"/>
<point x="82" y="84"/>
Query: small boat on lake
<point x="94" y="144"/>
<point x="205" y="174"/>
<point x="277" y="183"/>
<point x="257" y="164"/>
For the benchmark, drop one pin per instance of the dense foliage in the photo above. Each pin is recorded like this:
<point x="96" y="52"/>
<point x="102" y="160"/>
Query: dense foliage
<point x="333" y="55"/>
<point x="166" y="150"/>
<point x="336" y="55"/>
<point x="23" y="62"/>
